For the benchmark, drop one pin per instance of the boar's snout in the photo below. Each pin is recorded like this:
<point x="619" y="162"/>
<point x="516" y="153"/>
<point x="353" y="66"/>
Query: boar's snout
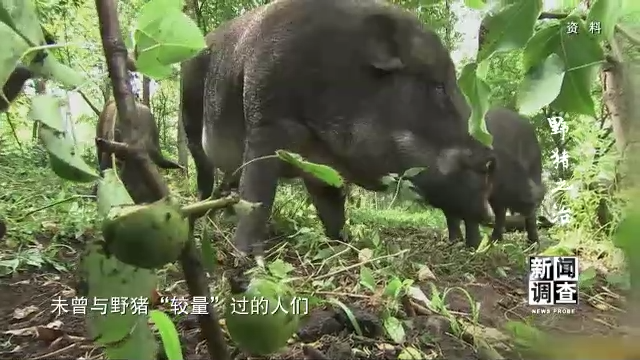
<point x="460" y="184"/>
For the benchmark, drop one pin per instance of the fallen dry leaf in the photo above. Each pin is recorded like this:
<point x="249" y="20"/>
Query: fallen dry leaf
<point x="365" y="254"/>
<point x="425" y="273"/>
<point x="48" y="334"/>
<point x="20" y="314"/>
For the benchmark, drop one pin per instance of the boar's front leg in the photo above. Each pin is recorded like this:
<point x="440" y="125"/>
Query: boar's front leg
<point x="258" y="184"/>
<point x="329" y="203"/>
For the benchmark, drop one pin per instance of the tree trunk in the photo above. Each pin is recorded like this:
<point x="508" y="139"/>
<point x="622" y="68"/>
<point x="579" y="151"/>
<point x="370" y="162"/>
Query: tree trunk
<point x="146" y="83"/>
<point x="618" y="97"/>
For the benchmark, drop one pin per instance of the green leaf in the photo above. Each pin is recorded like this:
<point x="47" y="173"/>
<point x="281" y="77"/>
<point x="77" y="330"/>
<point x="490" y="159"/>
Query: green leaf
<point x="64" y="157"/>
<point x="389" y="180"/>
<point x="280" y="268"/>
<point x="154" y="9"/>
<point x="483" y="69"/>
<point x="171" y="37"/>
<point x="168" y="334"/>
<point x="626" y="238"/>
<point x="477" y="92"/>
<point x="587" y="277"/>
<point x="475" y="4"/>
<point x="125" y="335"/>
<point x="350" y="316"/>
<point x="393" y="288"/>
<point x="51" y="68"/>
<point x="510" y="28"/>
<point x="46" y="109"/>
<point x="409" y="173"/>
<point x="367" y="279"/>
<point x="580" y="54"/>
<point x="111" y="192"/>
<point x="5" y="16"/>
<point x="153" y="69"/>
<point x="542" y="44"/>
<point x="394" y="329"/>
<point x="322" y="172"/>
<point x="13" y="46"/>
<point x="107" y="278"/>
<point x="139" y="344"/>
<point x="541" y="85"/>
<point x="21" y="16"/>
<point x="606" y="13"/>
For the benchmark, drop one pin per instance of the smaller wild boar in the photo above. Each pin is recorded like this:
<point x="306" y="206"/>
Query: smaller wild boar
<point x="517" y="179"/>
<point x="144" y="134"/>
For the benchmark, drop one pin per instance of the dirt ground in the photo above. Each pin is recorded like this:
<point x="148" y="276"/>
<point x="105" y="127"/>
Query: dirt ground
<point x="30" y="330"/>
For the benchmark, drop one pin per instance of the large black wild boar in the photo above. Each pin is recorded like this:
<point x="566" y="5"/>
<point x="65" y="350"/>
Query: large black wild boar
<point x="359" y="85"/>
<point x="517" y="181"/>
<point x="144" y="134"/>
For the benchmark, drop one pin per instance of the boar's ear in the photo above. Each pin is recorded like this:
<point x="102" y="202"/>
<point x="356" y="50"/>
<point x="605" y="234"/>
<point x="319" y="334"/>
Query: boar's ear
<point x="383" y="50"/>
<point x="451" y="160"/>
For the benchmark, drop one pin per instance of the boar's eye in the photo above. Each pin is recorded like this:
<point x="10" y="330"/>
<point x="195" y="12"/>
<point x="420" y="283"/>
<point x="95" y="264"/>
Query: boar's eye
<point x="439" y="88"/>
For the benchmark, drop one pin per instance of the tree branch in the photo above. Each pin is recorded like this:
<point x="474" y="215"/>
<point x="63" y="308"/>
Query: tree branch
<point x="86" y="99"/>
<point x="117" y="63"/>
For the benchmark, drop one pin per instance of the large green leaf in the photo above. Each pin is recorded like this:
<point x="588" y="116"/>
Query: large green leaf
<point x="154" y="9"/>
<point x="64" y="156"/>
<point x="510" y="28"/>
<point x="477" y="92"/>
<point x="606" y="13"/>
<point x="125" y="334"/>
<point x="46" y="109"/>
<point x="164" y="35"/>
<point x="580" y="54"/>
<point x="542" y="44"/>
<point x="51" y="68"/>
<point x="13" y="46"/>
<point x="168" y="334"/>
<point x="541" y="85"/>
<point x="21" y="16"/>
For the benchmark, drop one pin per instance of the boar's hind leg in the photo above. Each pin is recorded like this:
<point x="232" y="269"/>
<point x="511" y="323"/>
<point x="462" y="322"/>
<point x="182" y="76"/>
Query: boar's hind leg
<point x="329" y="203"/>
<point x="531" y="226"/>
<point x="453" y="227"/>
<point x="498" y="226"/>
<point x="472" y="234"/>
<point x="258" y="183"/>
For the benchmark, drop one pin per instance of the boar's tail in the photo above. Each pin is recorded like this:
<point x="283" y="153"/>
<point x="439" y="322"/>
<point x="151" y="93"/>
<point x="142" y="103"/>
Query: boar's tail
<point x="192" y="99"/>
<point x="162" y="162"/>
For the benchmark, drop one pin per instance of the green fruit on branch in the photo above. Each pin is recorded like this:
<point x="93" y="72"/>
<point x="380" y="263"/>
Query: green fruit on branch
<point x="147" y="236"/>
<point x="261" y="319"/>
